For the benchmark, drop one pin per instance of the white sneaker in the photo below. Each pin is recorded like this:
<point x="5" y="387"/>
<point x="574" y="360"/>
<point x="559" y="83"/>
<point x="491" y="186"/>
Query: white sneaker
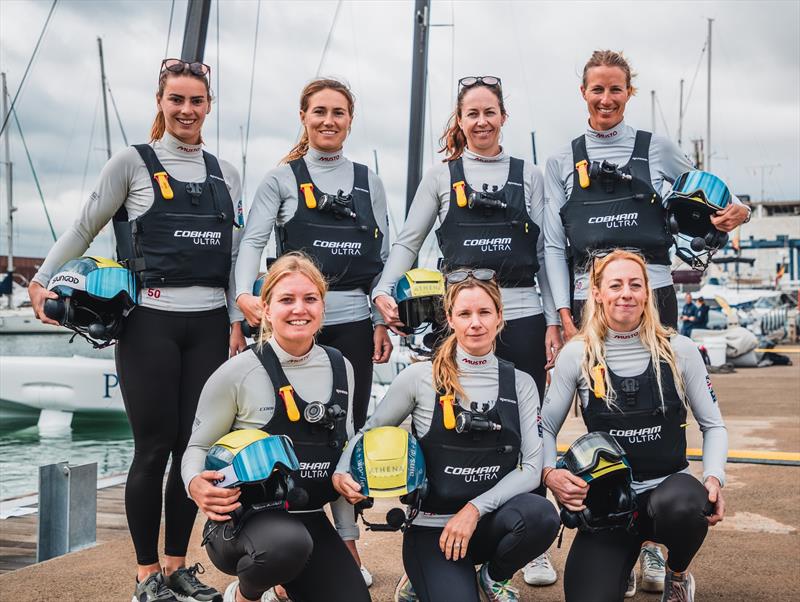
<point x="653" y="568"/>
<point x="540" y="571"/>
<point x="630" y="591"/>
<point x="366" y="575"/>
<point x="230" y="592"/>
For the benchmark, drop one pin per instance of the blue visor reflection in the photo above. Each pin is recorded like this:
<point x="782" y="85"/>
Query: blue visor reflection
<point x="257" y="461"/>
<point x="107" y="283"/>
<point x="706" y="186"/>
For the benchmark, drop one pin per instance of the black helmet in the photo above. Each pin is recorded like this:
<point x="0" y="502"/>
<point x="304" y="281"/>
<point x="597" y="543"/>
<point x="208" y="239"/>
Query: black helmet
<point x="419" y="295"/>
<point x="610" y="502"/>
<point x="94" y="294"/>
<point x="694" y="198"/>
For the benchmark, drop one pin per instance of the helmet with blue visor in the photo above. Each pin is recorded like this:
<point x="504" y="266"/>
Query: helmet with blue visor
<point x="419" y="296"/>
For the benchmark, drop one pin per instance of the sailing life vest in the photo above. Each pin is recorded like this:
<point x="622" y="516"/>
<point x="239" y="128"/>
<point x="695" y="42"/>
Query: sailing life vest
<point x="318" y="448"/>
<point x="631" y="215"/>
<point x="185" y="238"/>
<point x="503" y="240"/>
<point x="462" y="466"/>
<point x="654" y="438"/>
<point x="347" y="250"/>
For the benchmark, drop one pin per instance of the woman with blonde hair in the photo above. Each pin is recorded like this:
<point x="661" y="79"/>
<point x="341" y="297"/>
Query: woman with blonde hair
<point x="635" y="379"/>
<point x="181" y="331"/>
<point x="299" y="548"/>
<point x="490" y="519"/>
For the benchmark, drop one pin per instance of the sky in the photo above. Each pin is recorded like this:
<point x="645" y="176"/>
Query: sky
<point x="537" y="48"/>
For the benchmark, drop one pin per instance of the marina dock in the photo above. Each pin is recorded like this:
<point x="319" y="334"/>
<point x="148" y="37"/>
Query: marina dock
<point x="752" y="555"/>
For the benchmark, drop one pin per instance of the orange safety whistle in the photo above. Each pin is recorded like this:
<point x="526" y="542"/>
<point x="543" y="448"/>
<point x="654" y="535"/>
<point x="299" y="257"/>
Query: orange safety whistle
<point x="583" y="173"/>
<point x="163" y="182"/>
<point x="599" y="381"/>
<point x="448" y="414"/>
<point x="287" y="394"/>
<point x="308" y="195"/>
<point x="461" y="196"/>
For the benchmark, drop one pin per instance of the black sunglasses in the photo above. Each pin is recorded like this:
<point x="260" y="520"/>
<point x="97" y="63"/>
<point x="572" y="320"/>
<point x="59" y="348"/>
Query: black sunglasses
<point x="486" y="80"/>
<point x="484" y="274"/>
<point x="180" y="66"/>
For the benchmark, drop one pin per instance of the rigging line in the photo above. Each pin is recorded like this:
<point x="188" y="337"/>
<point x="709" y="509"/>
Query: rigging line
<point x="664" y="121"/>
<point x="250" y="103"/>
<point x="452" y="50"/>
<point x="28" y="68"/>
<point x="116" y="112"/>
<point x="328" y="39"/>
<point x="355" y="38"/>
<point x="694" y="79"/>
<point x="169" y="28"/>
<point x="35" y="177"/>
<point x="91" y="142"/>
<point x="218" y="64"/>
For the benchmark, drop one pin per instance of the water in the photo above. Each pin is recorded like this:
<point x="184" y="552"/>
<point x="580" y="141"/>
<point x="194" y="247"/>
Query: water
<point x="107" y="441"/>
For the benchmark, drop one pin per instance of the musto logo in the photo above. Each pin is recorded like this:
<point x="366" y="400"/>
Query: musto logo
<point x="489" y="244"/>
<point x="473" y="474"/>
<point x="314" y="470"/>
<point x="645" y="435"/>
<point x="339" y="248"/>
<point x="621" y="220"/>
<point x="201" y="237"/>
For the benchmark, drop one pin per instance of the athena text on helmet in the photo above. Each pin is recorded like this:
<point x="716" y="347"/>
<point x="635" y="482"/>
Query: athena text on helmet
<point x="621" y="220"/>
<point x="473" y="474"/>
<point x="339" y="248"/>
<point x="314" y="470"/>
<point x="200" y="237"/>
<point x="643" y="435"/>
<point x="490" y="244"/>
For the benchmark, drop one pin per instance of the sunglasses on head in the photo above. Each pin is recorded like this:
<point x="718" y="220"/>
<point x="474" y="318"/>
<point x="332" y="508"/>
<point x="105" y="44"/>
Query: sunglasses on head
<point x="484" y="274"/>
<point x="486" y="80"/>
<point x="181" y="66"/>
<point x="601" y="253"/>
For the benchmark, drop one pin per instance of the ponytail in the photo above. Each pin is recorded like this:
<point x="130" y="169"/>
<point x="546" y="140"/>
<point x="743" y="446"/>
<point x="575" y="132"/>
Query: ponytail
<point x="158" y="127"/>
<point x="445" y="368"/>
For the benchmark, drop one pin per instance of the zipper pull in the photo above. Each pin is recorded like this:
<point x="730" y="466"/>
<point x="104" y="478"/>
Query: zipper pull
<point x="287" y="395"/>
<point x="376" y="233"/>
<point x="163" y="183"/>
<point x="526" y="227"/>
<point x="308" y="195"/>
<point x="583" y="173"/>
<point x="599" y="381"/>
<point x="461" y="196"/>
<point x="448" y="413"/>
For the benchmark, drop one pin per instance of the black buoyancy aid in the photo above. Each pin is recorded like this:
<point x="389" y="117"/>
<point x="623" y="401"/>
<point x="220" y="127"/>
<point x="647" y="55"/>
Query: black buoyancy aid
<point x="654" y="438"/>
<point x="347" y="250"/>
<point x="462" y="466"/>
<point x="503" y="240"/>
<point x="317" y="447"/>
<point x="180" y="241"/>
<point x="631" y="215"/>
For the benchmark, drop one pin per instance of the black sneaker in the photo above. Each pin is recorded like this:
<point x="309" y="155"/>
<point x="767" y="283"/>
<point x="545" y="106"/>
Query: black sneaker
<point x="153" y="589"/>
<point x="188" y="588"/>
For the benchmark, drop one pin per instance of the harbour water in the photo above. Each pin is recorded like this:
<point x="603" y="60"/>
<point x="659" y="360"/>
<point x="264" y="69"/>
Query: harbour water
<point x="23" y="449"/>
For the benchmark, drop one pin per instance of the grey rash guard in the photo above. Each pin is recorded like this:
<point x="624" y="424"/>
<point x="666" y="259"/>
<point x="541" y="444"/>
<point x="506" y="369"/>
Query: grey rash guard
<point x="432" y="200"/>
<point x="125" y="180"/>
<point x="239" y="395"/>
<point x="275" y="202"/>
<point x="412" y="393"/>
<point x="667" y="162"/>
<point x="627" y="357"/>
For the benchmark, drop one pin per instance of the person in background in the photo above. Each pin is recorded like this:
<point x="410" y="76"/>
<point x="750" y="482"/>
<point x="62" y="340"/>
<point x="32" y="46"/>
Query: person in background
<point x="688" y="316"/>
<point x="702" y="314"/>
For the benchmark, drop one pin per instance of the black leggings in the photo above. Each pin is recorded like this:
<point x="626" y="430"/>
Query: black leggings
<point x="666" y="301"/>
<point x="508" y="538"/>
<point x="673" y="514"/>
<point x="163" y="360"/>
<point x="354" y="340"/>
<point x="521" y="342"/>
<point x="303" y="552"/>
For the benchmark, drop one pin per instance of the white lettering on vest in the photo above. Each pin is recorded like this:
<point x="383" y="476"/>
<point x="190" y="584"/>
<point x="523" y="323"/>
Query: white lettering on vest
<point x="339" y="248"/>
<point x="621" y="220"/>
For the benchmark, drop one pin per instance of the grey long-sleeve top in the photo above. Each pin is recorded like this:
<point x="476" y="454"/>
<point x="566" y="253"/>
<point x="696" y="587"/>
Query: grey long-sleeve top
<point x="125" y="180"/>
<point x="627" y="357"/>
<point x="239" y="395"/>
<point x="275" y="203"/>
<point x="432" y="201"/>
<point x="412" y="394"/>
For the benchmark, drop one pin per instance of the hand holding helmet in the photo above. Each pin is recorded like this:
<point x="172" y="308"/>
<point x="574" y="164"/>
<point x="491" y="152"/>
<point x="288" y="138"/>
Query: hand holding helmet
<point x="38" y="296"/>
<point x="216" y="502"/>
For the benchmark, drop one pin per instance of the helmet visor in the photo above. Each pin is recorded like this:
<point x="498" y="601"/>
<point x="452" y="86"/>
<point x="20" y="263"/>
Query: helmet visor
<point x="702" y="187"/>
<point x="594" y="455"/>
<point x="258" y="460"/>
<point x="417" y="312"/>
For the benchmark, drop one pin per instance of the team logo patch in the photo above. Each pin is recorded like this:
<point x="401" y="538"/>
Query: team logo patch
<point x="711" y="389"/>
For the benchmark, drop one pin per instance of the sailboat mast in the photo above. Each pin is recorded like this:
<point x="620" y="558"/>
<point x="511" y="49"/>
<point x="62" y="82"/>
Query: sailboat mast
<point x="707" y="166"/>
<point x="9" y="189"/>
<point x="194" y="33"/>
<point x="419" y="78"/>
<point x="103" y="87"/>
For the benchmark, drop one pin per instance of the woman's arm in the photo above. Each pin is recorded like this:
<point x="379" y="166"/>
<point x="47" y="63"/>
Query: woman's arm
<point x="234" y="184"/>
<point x="536" y="212"/>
